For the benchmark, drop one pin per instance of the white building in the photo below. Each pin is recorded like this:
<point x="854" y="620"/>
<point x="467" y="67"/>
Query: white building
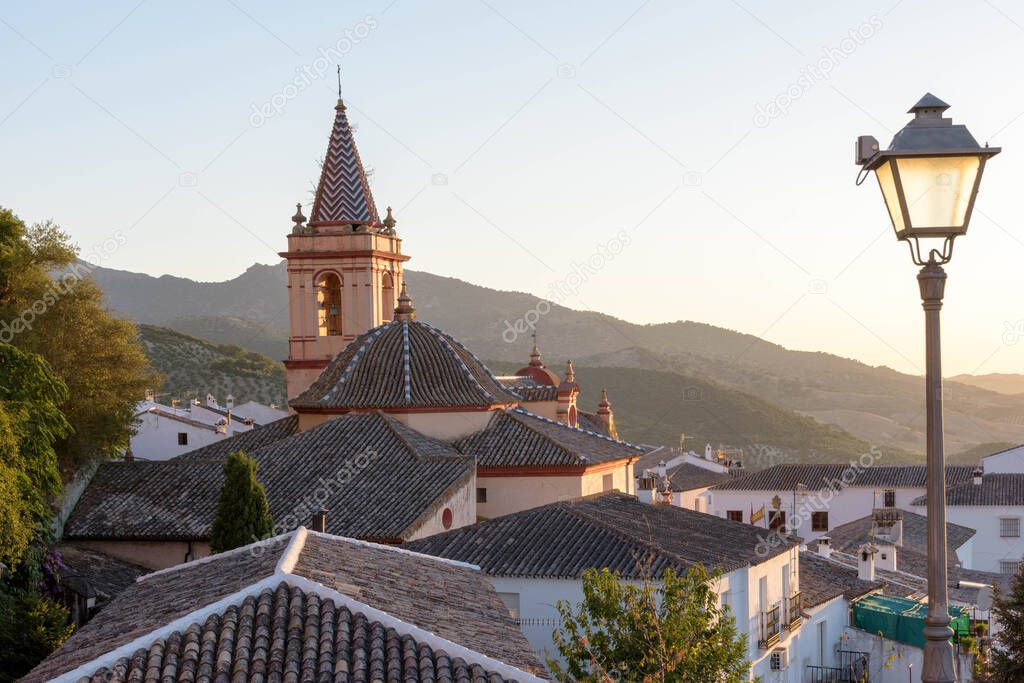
<point x="811" y="500"/>
<point x="1008" y="461"/>
<point x="666" y="475"/>
<point x="536" y="557"/>
<point x="163" y="432"/>
<point x="993" y="505"/>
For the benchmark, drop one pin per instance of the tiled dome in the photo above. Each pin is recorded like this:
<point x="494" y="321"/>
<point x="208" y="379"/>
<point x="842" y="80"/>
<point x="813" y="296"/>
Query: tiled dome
<point x="404" y="364"/>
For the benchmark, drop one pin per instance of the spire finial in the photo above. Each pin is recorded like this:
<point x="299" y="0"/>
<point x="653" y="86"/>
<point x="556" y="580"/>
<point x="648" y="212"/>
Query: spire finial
<point x="535" y="361"/>
<point x="339" y="81"/>
<point x="298" y="219"/>
<point x="570" y="374"/>
<point x="389" y="223"/>
<point x="405" y="311"/>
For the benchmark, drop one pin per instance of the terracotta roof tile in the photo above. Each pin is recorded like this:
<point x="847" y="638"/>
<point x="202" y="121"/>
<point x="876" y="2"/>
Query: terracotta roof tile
<point x="249" y="441"/>
<point x="303" y="620"/>
<point x="818" y="477"/>
<point x="994" y="489"/>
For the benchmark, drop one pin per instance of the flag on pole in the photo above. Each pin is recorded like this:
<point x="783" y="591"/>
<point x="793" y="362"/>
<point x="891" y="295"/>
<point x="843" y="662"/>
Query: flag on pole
<point x="757" y="516"/>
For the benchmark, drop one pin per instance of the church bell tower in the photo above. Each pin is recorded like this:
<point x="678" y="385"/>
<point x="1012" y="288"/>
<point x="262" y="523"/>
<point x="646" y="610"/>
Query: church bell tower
<point x="344" y="265"/>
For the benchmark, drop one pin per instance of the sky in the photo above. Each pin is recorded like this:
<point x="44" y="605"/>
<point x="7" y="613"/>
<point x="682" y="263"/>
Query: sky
<point x="655" y="160"/>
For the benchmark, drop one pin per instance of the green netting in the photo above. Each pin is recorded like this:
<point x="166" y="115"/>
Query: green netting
<point x="901" y="619"/>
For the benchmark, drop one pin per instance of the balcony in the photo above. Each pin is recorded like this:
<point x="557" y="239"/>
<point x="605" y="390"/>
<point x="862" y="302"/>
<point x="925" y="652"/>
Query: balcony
<point x="853" y="668"/>
<point x="794" y="612"/>
<point x="771" y="627"/>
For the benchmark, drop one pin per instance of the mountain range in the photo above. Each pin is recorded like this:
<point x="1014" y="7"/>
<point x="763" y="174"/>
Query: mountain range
<point x="713" y="383"/>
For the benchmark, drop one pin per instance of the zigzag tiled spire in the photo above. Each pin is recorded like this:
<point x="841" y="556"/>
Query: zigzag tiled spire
<point x="343" y="196"/>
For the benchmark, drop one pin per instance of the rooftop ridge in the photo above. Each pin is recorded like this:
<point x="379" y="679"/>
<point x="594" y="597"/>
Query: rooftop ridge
<point x="354" y="361"/>
<point x="406" y="361"/>
<point x="465" y="369"/>
<point x="578" y="429"/>
<point x="227" y="553"/>
<point x="472" y="355"/>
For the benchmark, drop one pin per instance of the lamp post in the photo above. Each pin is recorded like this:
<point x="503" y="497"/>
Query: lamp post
<point x="929" y="179"/>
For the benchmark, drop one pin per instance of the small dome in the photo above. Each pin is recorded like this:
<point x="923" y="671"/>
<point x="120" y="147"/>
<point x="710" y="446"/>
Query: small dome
<point x="536" y="370"/>
<point x="404" y="364"/>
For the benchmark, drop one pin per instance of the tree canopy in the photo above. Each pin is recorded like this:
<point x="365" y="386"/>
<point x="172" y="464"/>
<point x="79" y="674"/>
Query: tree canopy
<point x="671" y="630"/>
<point x="1006" y="664"/>
<point x="243" y="515"/>
<point x="30" y="423"/>
<point x="50" y="306"/>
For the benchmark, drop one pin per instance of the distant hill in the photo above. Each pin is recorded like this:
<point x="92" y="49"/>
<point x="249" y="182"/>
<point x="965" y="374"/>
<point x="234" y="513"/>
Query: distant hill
<point x="875" y="404"/>
<point x="192" y="367"/>
<point x="1001" y="383"/>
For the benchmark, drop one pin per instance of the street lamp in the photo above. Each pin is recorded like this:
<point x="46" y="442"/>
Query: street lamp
<point x="929" y="179"/>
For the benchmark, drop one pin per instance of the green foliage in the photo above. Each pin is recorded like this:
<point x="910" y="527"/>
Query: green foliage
<point x="1007" y="660"/>
<point x="243" y="514"/>
<point x="63" y="319"/>
<point x="192" y="366"/>
<point x="30" y="423"/>
<point x="674" y="631"/>
<point x="31" y="627"/>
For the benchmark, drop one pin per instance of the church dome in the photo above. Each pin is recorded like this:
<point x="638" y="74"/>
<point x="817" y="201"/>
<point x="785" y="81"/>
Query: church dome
<point x="404" y="364"/>
<point x="536" y="370"/>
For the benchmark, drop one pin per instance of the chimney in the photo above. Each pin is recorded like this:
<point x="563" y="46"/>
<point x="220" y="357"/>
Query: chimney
<point x="211" y="402"/>
<point x="660" y="469"/>
<point x="319" y="522"/>
<point x="229" y="402"/>
<point x="978" y="475"/>
<point x="150" y="395"/>
<point x="709" y="453"/>
<point x="886" y="555"/>
<point x="825" y="547"/>
<point x="866" y="563"/>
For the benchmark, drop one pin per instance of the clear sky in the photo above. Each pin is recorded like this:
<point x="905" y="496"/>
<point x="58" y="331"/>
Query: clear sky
<point x="517" y="140"/>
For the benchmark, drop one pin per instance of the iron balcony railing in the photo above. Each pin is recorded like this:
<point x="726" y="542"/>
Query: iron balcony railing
<point x="770" y="627"/>
<point x="853" y="668"/>
<point x="794" y="612"/>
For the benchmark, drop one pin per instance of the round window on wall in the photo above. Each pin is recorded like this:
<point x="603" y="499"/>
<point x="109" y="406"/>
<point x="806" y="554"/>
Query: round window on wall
<point x="446" y="518"/>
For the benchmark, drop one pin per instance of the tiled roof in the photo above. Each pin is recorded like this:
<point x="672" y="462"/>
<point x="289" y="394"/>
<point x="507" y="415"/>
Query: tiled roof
<point x="851" y="536"/>
<point x="95" y="574"/>
<point x="405" y="364"/>
<point x="343" y="196"/>
<point x="612" y="530"/>
<point x="821" y="580"/>
<point x="538" y="393"/>
<point x="517" y="438"/>
<point x="249" y="441"/>
<point x="818" y="477"/>
<point x="379" y="478"/>
<point x="687" y="477"/>
<point x="591" y="423"/>
<point x="994" y="489"/>
<point x="305" y="605"/>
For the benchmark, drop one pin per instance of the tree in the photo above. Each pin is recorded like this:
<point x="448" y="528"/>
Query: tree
<point x="30" y="423"/>
<point x="50" y="306"/>
<point x="1007" y="660"/>
<point x="669" y="632"/>
<point x="31" y="627"/>
<point x="242" y="511"/>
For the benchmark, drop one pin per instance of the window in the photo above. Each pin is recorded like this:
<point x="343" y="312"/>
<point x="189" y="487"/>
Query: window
<point x="329" y="305"/>
<point x="1009" y="527"/>
<point x="734" y="515"/>
<point x="182" y="438"/>
<point x="727" y="599"/>
<point x="1009" y="566"/>
<point x="607" y="482"/>
<point x="481" y="495"/>
<point x="446" y="518"/>
<point x="819" y="521"/>
<point x="387" y="297"/>
<point x="889" y="499"/>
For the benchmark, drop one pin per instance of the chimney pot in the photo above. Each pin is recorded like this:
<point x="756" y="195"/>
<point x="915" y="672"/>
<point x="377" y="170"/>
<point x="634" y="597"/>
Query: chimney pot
<point x="978" y="476"/>
<point x="320" y="520"/>
<point x="825" y="547"/>
<point x="866" y="563"/>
